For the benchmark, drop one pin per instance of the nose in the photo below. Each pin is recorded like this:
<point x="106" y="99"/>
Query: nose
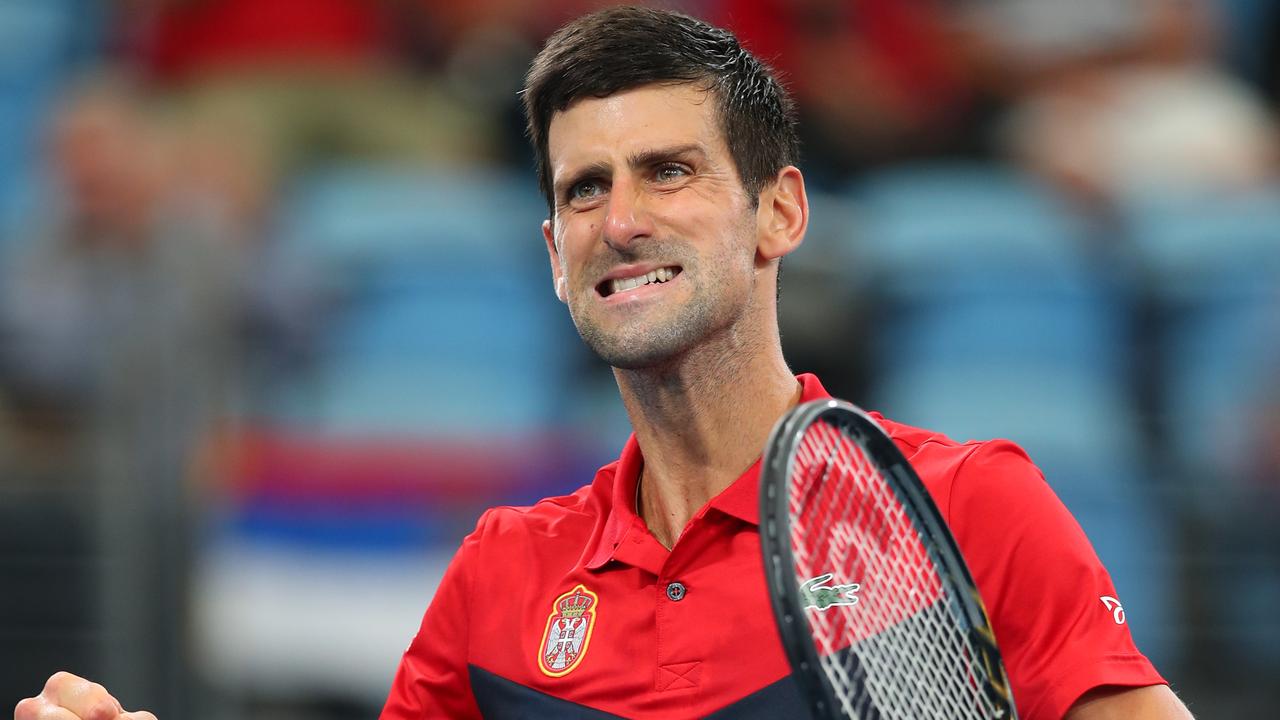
<point x="626" y="217"/>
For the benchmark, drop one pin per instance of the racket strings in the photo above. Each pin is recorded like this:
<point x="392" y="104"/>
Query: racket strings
<point x="898" y="644"/>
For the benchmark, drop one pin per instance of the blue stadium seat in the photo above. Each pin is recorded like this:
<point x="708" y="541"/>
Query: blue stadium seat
<point x="1222" y="365"/>
<point x="351" y="215"/>
<point x="40" y="43"/>
<point x="445" y="322"/>
<point x="1199" y="246"/>
<point x="35" y="43"/>
<point x="975" y="262"/>
<point x="36" y="55"/>
<point x="833" y="221"/>
<point x="1213" y="267"/>
<point x="931" y="216"/>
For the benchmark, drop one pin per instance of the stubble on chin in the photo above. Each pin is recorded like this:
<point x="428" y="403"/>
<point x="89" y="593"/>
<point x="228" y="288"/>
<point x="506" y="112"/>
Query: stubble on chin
<point x="640" y="348"/>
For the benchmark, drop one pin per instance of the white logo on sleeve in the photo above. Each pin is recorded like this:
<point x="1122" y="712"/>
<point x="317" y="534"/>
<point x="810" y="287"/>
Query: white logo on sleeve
<point x="1112" y="604"/>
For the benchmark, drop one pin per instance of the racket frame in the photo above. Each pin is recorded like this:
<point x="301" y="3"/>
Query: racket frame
<point x="779" y="562"/>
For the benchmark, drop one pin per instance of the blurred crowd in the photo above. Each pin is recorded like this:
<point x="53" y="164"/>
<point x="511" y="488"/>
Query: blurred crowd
<point x="145" y="302"/>
<point x="197" y="114"/>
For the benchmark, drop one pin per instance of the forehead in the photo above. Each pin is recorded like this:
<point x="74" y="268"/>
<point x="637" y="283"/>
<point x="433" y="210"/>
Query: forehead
<point x="596" y="129"/>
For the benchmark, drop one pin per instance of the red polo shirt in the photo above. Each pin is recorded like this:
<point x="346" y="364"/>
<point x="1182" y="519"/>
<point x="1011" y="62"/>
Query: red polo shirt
<point x="571" y="608"/>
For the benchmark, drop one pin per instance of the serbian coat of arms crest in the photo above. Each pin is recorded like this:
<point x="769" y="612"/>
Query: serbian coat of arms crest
<point x="568" y="632"/>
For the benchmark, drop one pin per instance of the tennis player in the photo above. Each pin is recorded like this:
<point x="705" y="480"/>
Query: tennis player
<point x="666" y="153"/>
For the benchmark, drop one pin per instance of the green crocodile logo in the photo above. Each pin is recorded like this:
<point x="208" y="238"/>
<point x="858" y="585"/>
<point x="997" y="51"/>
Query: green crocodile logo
<point x="816" y="593"/>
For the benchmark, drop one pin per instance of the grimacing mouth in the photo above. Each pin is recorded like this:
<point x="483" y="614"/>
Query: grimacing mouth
<point x="605" y="288"/>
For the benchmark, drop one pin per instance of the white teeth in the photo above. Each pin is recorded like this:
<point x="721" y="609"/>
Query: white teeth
<point x="623" y="284"/>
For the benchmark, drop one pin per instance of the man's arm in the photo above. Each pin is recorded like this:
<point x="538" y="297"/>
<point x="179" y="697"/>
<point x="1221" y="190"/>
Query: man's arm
<point x="1041" y="582"/>
<point x="1154" y="702"/>
<point x="434" y="679"/>
<point x="67" y="697"/>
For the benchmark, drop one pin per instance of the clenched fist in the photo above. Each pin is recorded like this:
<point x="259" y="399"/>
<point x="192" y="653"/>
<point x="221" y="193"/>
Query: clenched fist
<point x="67" y="697"/>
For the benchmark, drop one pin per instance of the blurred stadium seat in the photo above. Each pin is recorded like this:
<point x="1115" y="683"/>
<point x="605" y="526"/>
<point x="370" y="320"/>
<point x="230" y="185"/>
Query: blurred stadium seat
<point x="1052" y="414"/>
<point x="1213" y="264"/>
<point x="1204" y="245"/>
<point x="37" y="43"/>
<point x="1213" y="273"/>
<point x="972" y="262"/>
<point x="444" y="321"/>
<point x="34" y="44"/>
<point x="926" y="216"/>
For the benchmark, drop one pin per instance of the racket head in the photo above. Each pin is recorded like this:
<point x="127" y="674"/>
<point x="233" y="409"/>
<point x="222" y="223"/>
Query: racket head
<point x="877" y="612"/>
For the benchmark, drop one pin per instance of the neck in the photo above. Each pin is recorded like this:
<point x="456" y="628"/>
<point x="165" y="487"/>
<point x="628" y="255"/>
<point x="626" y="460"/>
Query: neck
<point x="701" y="423"/>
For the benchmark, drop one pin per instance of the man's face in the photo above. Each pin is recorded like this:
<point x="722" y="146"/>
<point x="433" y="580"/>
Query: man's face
<point x="652" y="241"/>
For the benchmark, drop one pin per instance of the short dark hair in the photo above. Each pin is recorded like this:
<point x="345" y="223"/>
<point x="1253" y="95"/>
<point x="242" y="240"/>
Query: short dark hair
<point x="621" y="48"/>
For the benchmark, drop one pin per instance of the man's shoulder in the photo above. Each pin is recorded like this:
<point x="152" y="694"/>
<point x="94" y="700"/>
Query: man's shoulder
<point x="941" y="461"/>
<point x="573" y="514"/>
<point x="545" y="511"/>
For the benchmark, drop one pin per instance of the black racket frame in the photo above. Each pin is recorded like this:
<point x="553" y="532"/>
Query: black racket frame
<point x="779" y="563"/>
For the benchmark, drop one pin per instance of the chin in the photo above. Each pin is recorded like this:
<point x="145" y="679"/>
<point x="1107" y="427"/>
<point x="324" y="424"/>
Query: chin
<point x="639" y="350"/>
<point x="629" y="356"/>
<point x="650" y="340"/>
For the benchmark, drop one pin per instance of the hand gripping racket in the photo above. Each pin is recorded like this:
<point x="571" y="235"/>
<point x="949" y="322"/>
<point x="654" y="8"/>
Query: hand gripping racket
<point x="878" y="614"/>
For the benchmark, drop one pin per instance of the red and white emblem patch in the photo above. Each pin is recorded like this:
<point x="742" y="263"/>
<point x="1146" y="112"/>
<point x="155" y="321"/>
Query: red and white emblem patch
<point x="564" y="642"/>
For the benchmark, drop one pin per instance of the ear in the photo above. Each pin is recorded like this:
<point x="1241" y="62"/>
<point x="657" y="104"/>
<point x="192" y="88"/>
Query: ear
<point x="782" y="215"/>
<point x="557" y="270"/>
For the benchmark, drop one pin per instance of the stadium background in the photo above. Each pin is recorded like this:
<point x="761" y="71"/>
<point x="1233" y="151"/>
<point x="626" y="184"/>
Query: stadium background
<point x="276" y="321"/>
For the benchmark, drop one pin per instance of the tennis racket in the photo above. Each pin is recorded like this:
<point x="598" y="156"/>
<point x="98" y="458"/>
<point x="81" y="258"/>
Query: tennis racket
<point x="878" y="614"/>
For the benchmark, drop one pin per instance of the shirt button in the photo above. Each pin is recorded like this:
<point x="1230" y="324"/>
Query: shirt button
<point x="675" y="591"/>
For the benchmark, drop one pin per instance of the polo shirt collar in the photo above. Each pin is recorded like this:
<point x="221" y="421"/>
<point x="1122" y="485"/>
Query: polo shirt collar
<point x="622" y="518"/>
<point x="739" y="500"/>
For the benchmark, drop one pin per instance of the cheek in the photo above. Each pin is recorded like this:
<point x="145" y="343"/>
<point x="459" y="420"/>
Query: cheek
<point x="737" y="245"/>
<point x="575" y="248"/>
<point x="583" y="241"/>
<point x="736" y="264"/>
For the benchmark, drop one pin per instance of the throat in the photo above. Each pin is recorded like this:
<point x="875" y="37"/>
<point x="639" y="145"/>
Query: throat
<point x="665" y="526"/>
<point x="667" y="507"/>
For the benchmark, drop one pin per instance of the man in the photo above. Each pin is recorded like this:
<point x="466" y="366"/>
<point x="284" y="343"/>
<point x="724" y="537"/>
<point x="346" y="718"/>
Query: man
<point x="665" y="152"/>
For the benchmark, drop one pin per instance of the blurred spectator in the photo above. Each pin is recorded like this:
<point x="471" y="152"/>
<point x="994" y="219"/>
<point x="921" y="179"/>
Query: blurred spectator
<point x="875" y="80"/>
<point x="117" y="324"/>
<point x="304" y="82"/>
<point x="1125" y="100"/>
<point x="119" y="351"/>
<point x="129" y="230"/>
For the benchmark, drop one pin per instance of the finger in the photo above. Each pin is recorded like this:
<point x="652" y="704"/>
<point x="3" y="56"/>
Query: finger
<point x="38" y="708"/>
<point x="87" y="700"/>
<point x="139" y="715"/>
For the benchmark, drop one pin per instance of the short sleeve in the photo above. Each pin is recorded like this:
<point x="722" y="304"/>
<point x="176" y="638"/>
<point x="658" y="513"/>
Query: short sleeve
<point x="433" y="679"/>
<point x="1050" y="600"/>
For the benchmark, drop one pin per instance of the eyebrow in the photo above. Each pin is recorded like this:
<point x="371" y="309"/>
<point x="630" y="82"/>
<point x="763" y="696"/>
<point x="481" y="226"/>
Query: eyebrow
<point x="640" y="159"/>
<point x="646" y="158"/>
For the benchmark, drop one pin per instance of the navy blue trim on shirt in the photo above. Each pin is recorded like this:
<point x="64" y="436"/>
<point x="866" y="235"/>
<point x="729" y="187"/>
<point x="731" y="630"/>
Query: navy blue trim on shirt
<point x="503" y="699"/>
